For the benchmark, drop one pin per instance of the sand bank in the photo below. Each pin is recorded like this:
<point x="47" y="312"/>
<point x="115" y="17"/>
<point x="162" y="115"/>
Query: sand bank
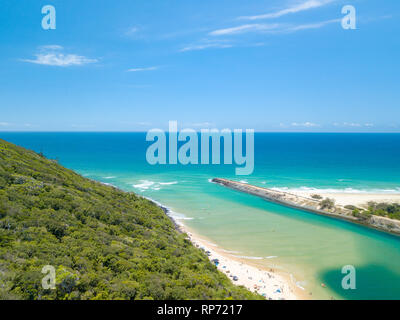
<point x="355" y="199"/>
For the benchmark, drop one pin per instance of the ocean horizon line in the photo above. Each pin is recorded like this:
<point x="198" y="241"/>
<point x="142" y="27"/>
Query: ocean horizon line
<point x="255" y="131"/>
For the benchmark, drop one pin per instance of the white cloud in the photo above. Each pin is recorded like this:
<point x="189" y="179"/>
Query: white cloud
<point x="307" y="5"/>
<point x="305" y="124"/>
<point x="60" y="60"/>
<point x="353" y="124"/>
<point x="271" y="28"/>
<point x="244" y="29"/>
<point x="311" y="25"/>
<point x="142" y="69"/>
<point x="132" y="30"/>
<point x="207" y="44"/>
<point x="201" y="124"/>
<point x="51" y="56"/>
<point x="51" y="47"/>
<point x="4" y="124"/>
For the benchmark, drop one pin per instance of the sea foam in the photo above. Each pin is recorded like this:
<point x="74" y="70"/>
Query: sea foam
<point x="249" y="257"/>
<point x="152" y="185"/>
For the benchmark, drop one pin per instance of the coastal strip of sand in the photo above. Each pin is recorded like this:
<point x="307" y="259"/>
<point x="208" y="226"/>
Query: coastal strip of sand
<point x="266" y="282"/>
<point x="241" y="271"/>
<point x="355" y="199"/>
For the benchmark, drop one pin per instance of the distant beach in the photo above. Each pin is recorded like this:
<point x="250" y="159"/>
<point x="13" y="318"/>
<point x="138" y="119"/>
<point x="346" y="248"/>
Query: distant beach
<point x="355" y="199"/>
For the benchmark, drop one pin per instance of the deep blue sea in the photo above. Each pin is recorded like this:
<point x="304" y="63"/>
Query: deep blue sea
<point x="311" y="248"/>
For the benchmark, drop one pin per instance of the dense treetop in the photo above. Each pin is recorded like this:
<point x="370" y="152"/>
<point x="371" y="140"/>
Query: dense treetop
<point x="103" y="243"/>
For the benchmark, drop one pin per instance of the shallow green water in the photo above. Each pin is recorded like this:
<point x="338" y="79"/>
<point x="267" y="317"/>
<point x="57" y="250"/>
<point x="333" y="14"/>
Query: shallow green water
<point x="310" y="247"/>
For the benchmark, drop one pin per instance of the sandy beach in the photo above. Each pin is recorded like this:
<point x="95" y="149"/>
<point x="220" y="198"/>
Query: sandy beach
<point x="266" y="282"/>
<point x="355" y="199"/>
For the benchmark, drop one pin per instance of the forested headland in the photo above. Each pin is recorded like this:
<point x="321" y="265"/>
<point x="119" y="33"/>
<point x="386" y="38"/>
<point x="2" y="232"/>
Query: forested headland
<point x="103" y="243"/>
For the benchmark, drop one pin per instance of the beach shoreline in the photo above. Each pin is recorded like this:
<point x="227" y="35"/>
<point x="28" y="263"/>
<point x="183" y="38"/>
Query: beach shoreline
<point x="356" y="199"/>
<point x="269" y="283"/>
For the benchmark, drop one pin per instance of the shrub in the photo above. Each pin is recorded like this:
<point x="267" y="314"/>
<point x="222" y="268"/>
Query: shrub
<point x="327" y="203"/>
<point x="316" y="196"/>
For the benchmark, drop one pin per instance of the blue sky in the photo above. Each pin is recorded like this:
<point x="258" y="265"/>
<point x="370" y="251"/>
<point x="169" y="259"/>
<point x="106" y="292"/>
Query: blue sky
<point x="131" y="65"/>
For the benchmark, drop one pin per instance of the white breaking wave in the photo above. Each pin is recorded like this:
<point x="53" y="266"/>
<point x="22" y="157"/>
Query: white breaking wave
<point x="177" y="216"/>
<point x="146" y="184"/>
<point x="110" y="177"/>
<point x="172" y="214"/>
<point x="247" y="257"/>
<point x="300" y="284"/>
<point x="168" y="183"/>
<point x="152" y="185"/>
<point x="230" y="251"/>
<point x="108" y="184"/>
<point x="332" y="190"/>
<point x="211" y="243"/>
<point x="271" y="257"/>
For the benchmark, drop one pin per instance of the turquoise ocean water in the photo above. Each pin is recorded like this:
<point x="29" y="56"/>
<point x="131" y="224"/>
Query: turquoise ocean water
<point x="311" y="248"/>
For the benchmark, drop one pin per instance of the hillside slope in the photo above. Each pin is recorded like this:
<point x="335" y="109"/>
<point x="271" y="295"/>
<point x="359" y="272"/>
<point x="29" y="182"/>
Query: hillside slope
<point x="103" y="243"/>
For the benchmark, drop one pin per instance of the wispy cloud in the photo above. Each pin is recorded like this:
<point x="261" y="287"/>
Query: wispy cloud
<point x="316" y="25"/>
<point x="244" y="29"/>
<point x="134" y="32"/>
<point x="263" y="28"/>
<point x="303" y="6"/>
<point x="353" y="124"/>
<point x="207" y="44"/>
<point x="51" y="47"/>
<point x="143" y="69"/>
<point x="270" y="28"/>
<point x="305" y="124"/>
<point x="50" y="55"/>
<point x="201" y="124"/>
<point x="4" y="124"/>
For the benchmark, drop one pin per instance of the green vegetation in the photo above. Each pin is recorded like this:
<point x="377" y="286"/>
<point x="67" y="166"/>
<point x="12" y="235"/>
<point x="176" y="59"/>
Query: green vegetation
<point x="361" y="214"/>
<point x="350" y="207"/>
<point x="327" y="203"/>
<point x="103" y="243"/>
<point x="389" y="210"/>
<point x="316" y="196"/>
